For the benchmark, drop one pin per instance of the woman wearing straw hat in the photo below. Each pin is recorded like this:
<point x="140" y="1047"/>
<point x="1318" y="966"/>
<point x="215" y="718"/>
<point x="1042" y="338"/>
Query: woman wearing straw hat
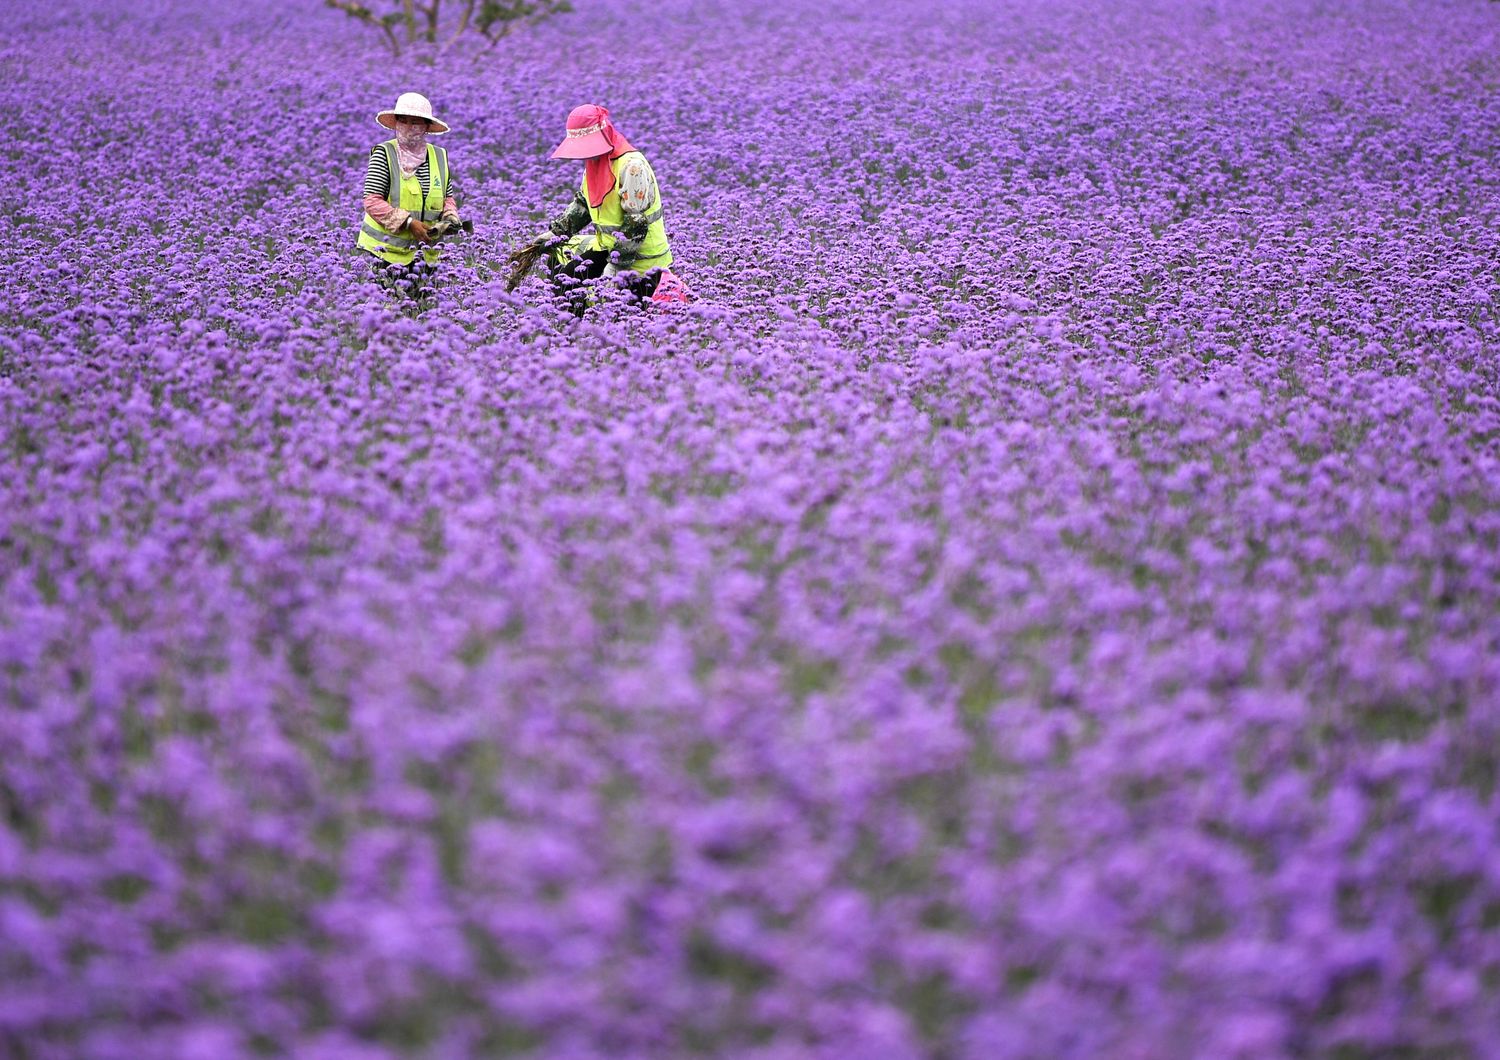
<point x="408" y="188"/>
<point x="619" y="197"/>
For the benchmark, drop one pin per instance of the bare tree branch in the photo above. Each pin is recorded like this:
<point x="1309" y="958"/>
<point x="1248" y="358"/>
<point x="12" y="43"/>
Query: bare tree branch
<point x="494" y="20"/>
<point x="430" y="11"/>
<point x="362" y="13"/>
<point x="463" y="25"/>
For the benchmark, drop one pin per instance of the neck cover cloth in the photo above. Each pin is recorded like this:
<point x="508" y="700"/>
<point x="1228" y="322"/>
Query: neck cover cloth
<point x="411" y="148"/>
<point x="592" y="136"/>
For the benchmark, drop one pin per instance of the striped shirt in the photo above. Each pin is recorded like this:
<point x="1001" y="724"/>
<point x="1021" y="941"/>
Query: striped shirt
<point x="378" y="176"/>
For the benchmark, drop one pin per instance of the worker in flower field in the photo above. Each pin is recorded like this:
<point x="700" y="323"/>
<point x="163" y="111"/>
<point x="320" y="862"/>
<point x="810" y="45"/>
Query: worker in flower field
<point x="409" y="192"/>
<point x="619" y="197"/>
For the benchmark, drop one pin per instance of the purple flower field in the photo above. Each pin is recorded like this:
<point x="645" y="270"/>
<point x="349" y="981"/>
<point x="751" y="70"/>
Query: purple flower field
<point x="1041" y="600"/>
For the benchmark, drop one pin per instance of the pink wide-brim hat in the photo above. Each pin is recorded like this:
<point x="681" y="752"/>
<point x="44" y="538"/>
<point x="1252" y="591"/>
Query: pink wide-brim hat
<point x="585" y="139"/>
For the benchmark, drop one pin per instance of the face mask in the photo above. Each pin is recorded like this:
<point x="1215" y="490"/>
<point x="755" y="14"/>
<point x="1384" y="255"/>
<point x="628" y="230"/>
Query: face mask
<point x="411" y="137"/>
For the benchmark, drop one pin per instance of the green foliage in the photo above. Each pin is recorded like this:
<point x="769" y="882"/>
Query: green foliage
<point x="409" y="22"/>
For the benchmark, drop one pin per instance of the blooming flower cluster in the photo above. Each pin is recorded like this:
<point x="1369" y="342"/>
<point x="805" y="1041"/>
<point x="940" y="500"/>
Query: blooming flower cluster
<point x="1041" y="599"/>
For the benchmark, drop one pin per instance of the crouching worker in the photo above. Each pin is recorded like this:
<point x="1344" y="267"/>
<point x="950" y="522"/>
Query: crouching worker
<point x="409" y="192"/>
<point x="619" y="197"/>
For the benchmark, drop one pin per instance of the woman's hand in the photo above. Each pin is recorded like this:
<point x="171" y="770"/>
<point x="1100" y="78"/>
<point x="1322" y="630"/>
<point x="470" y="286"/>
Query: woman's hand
<point x="418" y="230"/>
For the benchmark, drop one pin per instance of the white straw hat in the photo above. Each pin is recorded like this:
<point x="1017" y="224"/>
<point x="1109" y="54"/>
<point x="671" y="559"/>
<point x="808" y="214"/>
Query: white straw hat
<point x="412" y="105"/>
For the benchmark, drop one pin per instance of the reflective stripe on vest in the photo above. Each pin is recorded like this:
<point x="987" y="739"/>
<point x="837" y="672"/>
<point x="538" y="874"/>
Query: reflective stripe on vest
<point x="380" y="235"/>
<point x="441" y="158"/>
<point x="392" y="173"/>
<point x="650" y="219"/>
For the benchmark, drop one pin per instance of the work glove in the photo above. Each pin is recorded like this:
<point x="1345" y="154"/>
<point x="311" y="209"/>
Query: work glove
<point x="447" y="226"/>
<point x="418" y="230"/>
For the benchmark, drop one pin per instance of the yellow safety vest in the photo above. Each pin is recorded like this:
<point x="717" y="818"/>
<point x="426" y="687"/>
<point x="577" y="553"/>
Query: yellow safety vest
<point x="406" y="192"/>
<point x="608" y="216"/>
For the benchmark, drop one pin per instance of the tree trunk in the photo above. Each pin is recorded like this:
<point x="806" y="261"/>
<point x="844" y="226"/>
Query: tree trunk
<point x="463" y="24"/>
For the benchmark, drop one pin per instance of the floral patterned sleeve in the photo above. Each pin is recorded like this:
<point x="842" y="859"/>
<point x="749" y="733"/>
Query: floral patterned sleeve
<point x="573" y="219"/>
<point x="639" y="203"/>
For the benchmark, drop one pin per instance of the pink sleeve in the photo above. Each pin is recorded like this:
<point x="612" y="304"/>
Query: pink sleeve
<point x="389" y="217"/>
<point x="449" y="207"/>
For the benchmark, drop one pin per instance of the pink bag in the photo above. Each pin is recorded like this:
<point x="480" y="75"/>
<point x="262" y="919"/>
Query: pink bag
<point x="671" y="289"/>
